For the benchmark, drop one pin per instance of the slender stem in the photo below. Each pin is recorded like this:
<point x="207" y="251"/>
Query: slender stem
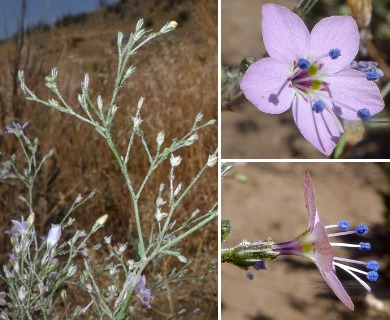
<point x="134" y="197"/>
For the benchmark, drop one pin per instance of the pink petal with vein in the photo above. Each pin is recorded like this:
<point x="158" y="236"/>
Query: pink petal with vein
<point x="265" y="85"/>
<point x="339" y="32"/>
<point x="319" y="129"/>
<point x="352" y="88"/>
<point x="285" y="35"/>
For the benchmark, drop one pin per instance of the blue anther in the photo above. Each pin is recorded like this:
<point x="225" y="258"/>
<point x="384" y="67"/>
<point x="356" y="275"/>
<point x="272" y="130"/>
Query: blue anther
<point x="334" y="53"/>
<point x="249" y="275"/>
<point x="372" y="75"/>
<point x="372" y="275"/>
<point x="364" y="246"/>
<point x="372" y="265"/>
<point x="361" y="229"/>
<point x="303" y="64"/>
<point x="343" y="225"/>
<point x="318" y="106"/>
<point x="364" y="114"/>
<point x="259" y="265"/>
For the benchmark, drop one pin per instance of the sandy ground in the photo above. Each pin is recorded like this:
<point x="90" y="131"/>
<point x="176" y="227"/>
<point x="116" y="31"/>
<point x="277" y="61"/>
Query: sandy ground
<point x="248" y="133"/>
<point x="271" y="204"/>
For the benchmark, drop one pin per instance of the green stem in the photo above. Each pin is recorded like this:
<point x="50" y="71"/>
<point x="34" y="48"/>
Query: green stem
<point x="134" y="197"/>
<point x="247" y="253"/>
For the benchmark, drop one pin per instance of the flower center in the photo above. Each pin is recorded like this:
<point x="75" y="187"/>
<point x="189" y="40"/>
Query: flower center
<point x="307" y="80"/>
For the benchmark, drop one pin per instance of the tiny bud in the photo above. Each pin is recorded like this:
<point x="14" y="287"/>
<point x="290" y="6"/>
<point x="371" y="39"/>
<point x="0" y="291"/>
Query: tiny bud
<point x="173" y="24"/>
<point x="100" y="103"/>
<point x="182" y="259"/>
<point x="177" y="190"/>
<point x="78" y="198"/>
<point x="195" y="213"/>
<point x="63" y="295"/>
<point x="160" y="138"/>
<point x="161" y="187"/>
<point x="120" y="38"/>
<point x="54" y="72"/>
<point x="199" y="117"/>
<point x="71" y="271"/>
<point x="86" y="81"/>
<point x="99" y="223"/>
<point x="30" y="219"/>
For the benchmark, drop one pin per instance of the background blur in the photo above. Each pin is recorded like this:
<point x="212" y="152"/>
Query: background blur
<point x="266" y="200"/>
<point x="248" y="133"/>
<point x="177" y="75"/>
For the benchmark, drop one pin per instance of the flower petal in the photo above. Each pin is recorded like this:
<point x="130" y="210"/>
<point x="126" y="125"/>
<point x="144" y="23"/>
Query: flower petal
<point x="265" y="85"/>
<point x="338" y="289"/>
<point x="319" y="129"/>
<point x="323" y="252"/>
<point x="350" y="87"/>
<point x="339" y="32"/>
<point x="310" y="201"/>
<point x="285" y="35"/>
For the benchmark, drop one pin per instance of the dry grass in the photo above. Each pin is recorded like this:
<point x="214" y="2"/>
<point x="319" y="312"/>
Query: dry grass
<point x="177" y="75"/>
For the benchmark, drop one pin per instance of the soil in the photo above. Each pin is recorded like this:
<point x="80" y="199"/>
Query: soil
<point x="266" y="200"/>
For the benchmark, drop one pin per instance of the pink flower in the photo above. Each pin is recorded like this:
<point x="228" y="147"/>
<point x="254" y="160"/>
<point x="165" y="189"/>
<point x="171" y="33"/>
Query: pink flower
<point x="142" y="292"/>
<point x="314" y="245"/>
<point x="311" y="73"/>
<point x="53" y="236"/>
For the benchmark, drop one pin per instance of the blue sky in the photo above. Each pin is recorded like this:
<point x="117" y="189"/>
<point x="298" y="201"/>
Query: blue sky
<point x="40" y="10"/>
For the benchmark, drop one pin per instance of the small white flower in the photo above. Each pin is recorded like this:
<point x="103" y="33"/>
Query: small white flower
<point x="107" y="240"/>
<point x="193" y="138"/>
<point x="161" y="187"/>
<point x="122" y="248"/>
<point x="160" y="215"/>
<point x="137" y="121"/>
<point x="175" y="161"/>
<point x="114" y="109"/>
<point x="212" y="160"/>
<point x="53" y="102"/>
<point x="54" y="235"/>
<point x="160" y="202"/>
